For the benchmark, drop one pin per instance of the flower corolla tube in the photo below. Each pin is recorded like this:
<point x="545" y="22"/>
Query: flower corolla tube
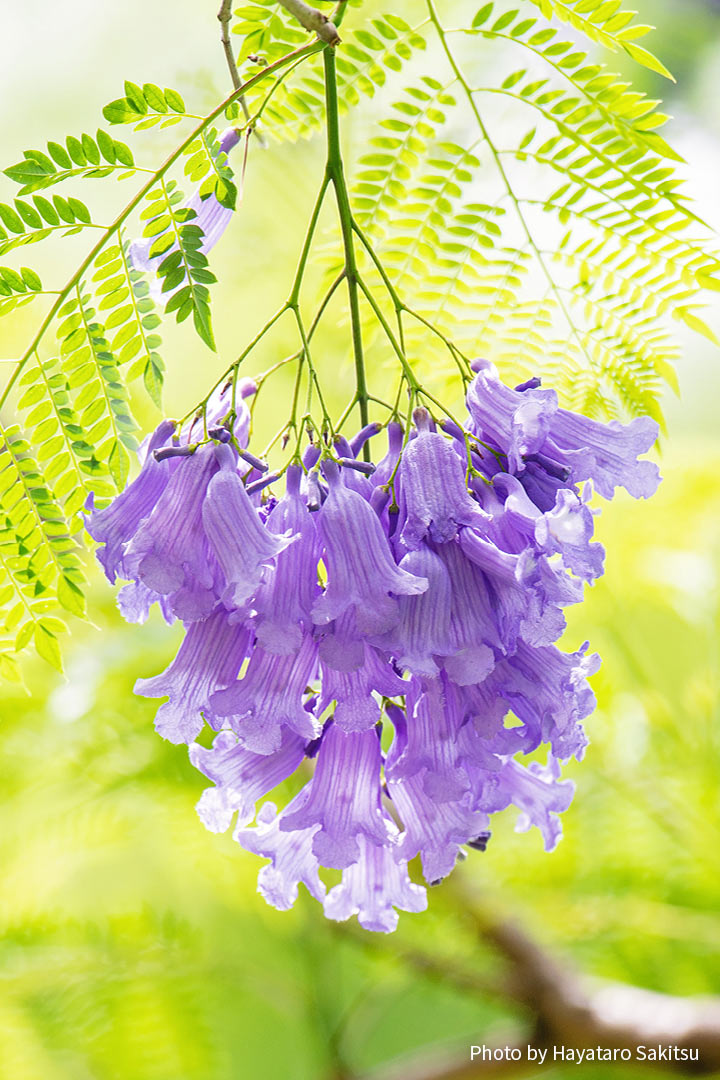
<point x="374" y="649"/>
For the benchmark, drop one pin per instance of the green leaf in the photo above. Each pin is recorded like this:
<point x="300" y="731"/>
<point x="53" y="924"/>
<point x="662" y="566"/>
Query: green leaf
<point x="31" y="279"/>
<point x="647" y="59"/>
<point x="71" y="596"/>
<point x="47" y="646"/>
<point x="482" y="16"/>
<point x="119" y="464"/>
<point x="174" y="100"/>
<point x="120" y="112"/>
<point x="696" y="323"/>
<point x="154" y="97"/>
<point x="135" y="97"/>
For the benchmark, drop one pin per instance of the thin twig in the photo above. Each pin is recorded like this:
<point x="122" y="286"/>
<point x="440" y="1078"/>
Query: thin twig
<point x="313" y="20"/>
<point x="224" y="17"/>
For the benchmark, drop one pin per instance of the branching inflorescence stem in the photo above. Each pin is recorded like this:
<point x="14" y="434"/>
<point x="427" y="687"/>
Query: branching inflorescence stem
<point x="335" y="173"/>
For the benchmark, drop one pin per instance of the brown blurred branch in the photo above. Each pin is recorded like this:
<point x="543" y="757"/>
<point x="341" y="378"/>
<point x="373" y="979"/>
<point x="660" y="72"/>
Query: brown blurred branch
<point x="567" y="1009"/>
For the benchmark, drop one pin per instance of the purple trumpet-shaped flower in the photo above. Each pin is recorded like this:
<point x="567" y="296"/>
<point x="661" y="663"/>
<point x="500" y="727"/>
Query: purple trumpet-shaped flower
<point x="344" y="798"/>
<point x="209" y="657"/>
<point x="564" y="530"/>
<point x="209" y="215"/>
<point x="434" y="500"/>
<point x="373" y="887"/>
<point x="423" y="629"/>
<point x="310" y="618"/>
<point x="430" y="745"/>
<point x="290" y="850"/>
<point x="169" y="551"/>
<point x="240" y="777"/>
<point x="241" y="543"/>
<point x="116" y="524"/>
<point x="361" y="569"/>
<point x="436" y="829"/>
<point x="289" y="588"/>
<point x="268" y="698"/>
<point x="529" y="424"/>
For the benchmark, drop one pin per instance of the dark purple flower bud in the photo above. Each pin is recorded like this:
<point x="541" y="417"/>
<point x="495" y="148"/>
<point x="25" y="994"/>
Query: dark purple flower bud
<point x="529" y="384"/>
<point x="173" y="452"/>
<point x="251" y="459"/>
<point x="359" y="440"/>
<point x="262" y="483"/>
<point x="221" y="434"/>
<point x="365" y="467"/>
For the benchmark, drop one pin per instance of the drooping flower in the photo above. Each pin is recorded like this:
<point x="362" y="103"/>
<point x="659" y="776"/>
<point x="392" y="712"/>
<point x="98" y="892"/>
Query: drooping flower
<point x="360" y="566"/>
<point x="207" y="213"/>
<point x="530" y="424"/>
<point x="345" y="811"/>
<point x="373" y="887"/>
<point x="210" y="656"/>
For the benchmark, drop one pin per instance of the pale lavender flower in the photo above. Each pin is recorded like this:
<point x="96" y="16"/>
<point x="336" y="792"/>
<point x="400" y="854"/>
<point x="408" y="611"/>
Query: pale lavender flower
<point x="210" y="216"/>
<point x="290" y="850"/>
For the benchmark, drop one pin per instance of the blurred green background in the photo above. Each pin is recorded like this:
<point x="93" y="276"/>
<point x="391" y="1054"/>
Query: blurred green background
<point x="134" y="946"/>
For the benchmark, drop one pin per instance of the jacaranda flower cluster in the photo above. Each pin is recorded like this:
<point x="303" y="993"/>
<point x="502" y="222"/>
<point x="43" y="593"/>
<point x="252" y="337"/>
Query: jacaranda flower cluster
<point x="372" y="630"/>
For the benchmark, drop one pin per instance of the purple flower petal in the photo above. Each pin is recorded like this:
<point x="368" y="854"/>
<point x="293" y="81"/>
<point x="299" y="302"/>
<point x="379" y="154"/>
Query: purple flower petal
<point x="373" y="887"/>
<point x="209" y="657"/>
<point x="289" y="588"/>
<point x="240" y="777"/>
<point x="290" y="851"/>
<point x="434" y="499"/>
<point x="268" y="696"/>
<point x="117" y="524"/>
<point x="169" y="548"/>
<point x="344" y="798"/>
<point x="241" y="543"/>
